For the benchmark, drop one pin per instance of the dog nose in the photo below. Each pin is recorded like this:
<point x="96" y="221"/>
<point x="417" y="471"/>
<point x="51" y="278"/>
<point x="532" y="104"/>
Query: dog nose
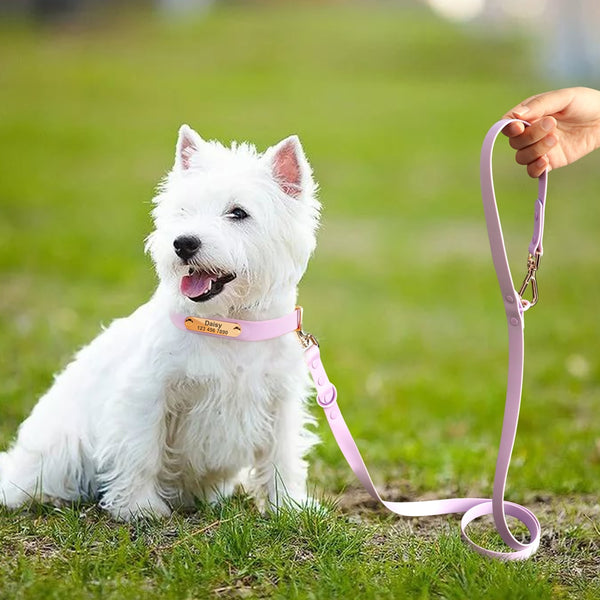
<point x="186" y="246"/>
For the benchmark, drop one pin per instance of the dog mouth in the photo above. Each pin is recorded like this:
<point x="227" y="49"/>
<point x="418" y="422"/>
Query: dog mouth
<point x="200" y="286"/>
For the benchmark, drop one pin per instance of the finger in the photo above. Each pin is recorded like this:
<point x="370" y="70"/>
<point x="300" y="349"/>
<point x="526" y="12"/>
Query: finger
<point x="513" y="129"/>
<point x="530" y="154"/>
<point x="536" y="168"/>
<point x="534" y="133"/>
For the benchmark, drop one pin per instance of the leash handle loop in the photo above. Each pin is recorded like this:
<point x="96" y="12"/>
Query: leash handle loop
<point x="515" y="307"/>
<point x="516" y="344"/>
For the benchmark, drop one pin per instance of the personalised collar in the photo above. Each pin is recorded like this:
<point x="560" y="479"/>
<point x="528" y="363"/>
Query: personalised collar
<point x="242" y="331"/>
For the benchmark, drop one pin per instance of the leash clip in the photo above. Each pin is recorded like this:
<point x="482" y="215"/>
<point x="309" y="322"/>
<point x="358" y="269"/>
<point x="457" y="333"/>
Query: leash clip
<point x="533" y="264"/>
<point x="307" y="339"/>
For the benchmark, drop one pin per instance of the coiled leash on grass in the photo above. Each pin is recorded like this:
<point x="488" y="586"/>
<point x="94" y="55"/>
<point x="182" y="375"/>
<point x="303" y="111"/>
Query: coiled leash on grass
<point x="515" y="306"/>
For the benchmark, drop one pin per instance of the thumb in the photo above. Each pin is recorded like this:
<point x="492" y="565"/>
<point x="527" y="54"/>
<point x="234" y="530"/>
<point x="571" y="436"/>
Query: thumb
<point x="548" y="103"/>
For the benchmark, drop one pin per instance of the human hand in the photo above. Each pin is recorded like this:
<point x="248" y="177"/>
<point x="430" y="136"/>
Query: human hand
<point x="565" y="125"/>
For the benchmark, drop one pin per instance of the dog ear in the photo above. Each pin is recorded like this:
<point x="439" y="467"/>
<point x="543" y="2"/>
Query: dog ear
<point x="188" y="142"/>
<point x="289" y="166"/>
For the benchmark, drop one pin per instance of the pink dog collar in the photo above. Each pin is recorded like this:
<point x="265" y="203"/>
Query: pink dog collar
<point x="242" y="331"/>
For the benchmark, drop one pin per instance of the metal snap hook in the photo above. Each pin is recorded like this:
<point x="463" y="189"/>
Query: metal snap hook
<point x="533" y="264"/>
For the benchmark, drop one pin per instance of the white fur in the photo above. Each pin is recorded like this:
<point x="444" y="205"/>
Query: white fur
<point x="148" y="417"/>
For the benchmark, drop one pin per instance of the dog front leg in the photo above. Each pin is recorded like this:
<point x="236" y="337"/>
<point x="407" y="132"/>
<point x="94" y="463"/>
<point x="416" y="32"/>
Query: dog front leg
<point x="282" y="470"/>
<point x="130" y="453"/>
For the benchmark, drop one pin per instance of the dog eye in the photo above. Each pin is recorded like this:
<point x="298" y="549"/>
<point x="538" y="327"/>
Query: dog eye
<point x="238" y="213"/>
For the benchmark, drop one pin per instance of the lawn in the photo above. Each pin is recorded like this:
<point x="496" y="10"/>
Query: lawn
<point x="391" y="106"/>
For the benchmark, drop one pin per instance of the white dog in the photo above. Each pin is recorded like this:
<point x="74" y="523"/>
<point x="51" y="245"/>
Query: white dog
<point x="149" y="417"/>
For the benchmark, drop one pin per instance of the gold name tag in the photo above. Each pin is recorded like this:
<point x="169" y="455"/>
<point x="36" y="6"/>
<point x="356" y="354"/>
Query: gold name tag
<point x="213" y="327"/>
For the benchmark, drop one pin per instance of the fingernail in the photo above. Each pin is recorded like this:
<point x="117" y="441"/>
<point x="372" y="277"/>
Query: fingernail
<point x="547" y="123"/>
<point x="544" y="163"/>
<point x="521" y="110"/>
<point x="550" y="141"/>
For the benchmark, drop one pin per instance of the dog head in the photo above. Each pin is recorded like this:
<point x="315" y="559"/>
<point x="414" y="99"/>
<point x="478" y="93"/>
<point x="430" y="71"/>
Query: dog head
<point x="233" y="228"/>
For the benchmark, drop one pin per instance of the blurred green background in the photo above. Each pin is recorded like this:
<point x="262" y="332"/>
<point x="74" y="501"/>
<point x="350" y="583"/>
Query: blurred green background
<point x="391" y="103"/>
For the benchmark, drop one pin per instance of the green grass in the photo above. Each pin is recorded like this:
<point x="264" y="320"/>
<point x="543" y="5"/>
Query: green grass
<point x="391" y="106"/>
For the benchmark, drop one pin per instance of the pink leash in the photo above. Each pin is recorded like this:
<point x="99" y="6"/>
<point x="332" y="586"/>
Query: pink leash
<point x="515" y="307"/>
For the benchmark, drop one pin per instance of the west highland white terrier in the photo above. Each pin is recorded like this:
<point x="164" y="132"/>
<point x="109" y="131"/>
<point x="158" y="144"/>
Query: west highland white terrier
<point x="150" y="417"/>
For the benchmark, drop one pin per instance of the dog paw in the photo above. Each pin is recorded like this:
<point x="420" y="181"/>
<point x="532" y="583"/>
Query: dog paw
<point x="13" y="496"/>
<point x="142" y="506"/>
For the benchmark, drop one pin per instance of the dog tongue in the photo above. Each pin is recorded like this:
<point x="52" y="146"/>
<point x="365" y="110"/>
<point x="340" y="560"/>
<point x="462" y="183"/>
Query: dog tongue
<point x="196" y="284"/>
